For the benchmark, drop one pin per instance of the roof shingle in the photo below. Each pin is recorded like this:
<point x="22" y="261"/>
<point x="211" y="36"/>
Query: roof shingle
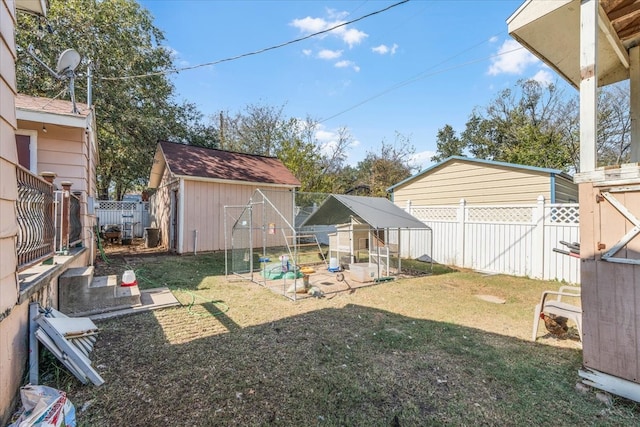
<point x="189" y="160"/>
<point x="53" y="106"/>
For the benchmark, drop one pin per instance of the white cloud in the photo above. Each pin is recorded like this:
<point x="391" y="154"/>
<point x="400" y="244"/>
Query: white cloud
<point x="329" y="54"/>
<point x="306" y="52"/>
<point x="493" y="39"/>
<point x="544" y="77"/>
<point x="423" y="159"/>
<point x="309" y="25"/>
<point x="346" y="64"/>
<point x="383" y="49"/>
<point x="513" y="59"/>
<point x="351" y="36"/>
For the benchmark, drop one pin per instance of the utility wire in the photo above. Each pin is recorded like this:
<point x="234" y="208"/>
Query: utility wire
<point x="415" y="78"/>
<point x="256" y="52"/>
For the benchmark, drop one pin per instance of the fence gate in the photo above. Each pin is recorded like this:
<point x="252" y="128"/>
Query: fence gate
<point x="112" y="212"/>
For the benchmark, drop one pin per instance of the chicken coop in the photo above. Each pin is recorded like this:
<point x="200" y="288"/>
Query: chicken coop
<point x="371" y="236"/>
<point x="264" y="246"/>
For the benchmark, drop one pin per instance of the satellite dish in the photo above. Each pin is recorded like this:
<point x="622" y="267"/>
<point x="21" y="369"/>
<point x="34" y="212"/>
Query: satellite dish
<point x="68" y="61"/>
<point x="67" y="64"/>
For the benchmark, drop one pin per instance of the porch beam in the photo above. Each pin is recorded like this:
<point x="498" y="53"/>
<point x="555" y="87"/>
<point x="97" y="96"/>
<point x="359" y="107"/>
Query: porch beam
<point x="634" y="76"/>
<point x="588" y="83"/>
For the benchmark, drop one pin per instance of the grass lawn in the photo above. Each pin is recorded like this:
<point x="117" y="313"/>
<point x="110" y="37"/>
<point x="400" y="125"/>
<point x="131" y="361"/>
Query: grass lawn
<point x="412" y="352"/>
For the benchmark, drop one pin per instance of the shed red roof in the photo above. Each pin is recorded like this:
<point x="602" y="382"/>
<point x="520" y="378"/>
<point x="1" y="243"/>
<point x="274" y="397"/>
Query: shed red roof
<point x="189" y="160"/>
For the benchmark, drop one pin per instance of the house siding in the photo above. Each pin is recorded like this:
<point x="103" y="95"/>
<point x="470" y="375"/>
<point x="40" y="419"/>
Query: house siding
<point x="10" y="319"/>
<point x="476" y="183"/>
<point x="65" y="151"/>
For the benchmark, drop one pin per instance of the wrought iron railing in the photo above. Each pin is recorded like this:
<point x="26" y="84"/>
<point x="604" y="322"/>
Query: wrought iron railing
<point x="35" y="217"/>
<point x="75" y="224"/>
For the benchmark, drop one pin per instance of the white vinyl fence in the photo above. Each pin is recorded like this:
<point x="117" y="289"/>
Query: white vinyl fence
<point x="508" y="239"/>
<point x="116" y="213"/>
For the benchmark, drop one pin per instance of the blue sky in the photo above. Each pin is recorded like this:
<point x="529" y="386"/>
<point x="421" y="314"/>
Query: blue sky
<point x="410" y="70"/>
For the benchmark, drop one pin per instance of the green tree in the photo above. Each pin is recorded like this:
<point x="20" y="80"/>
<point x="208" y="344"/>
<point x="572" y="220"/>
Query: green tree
<point x="448" y="144"/>
<point x="521" y="125"/>
<point x="387" y="166"/>
<point x="132" y="113"/>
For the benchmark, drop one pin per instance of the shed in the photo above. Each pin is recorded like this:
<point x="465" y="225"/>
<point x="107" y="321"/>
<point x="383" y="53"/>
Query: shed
<point x="372" y="230"/>
<point x="194" y="184"/>
<point x="483" y="182"/>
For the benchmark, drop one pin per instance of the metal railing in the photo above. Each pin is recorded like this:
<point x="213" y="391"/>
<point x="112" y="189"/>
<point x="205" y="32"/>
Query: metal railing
<point x="75" y="224"/>
<point x="35" y="217"/>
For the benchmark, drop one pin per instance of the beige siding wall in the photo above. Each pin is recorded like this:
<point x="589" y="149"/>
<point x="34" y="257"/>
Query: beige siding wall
<point x="204" y="204"/>
<point x="65" y="151"/>
<point x="476" y="183"/>
<point x="12" y="337"/>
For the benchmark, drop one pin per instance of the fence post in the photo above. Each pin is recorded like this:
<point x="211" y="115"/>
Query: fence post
<point x="461" y="217"/>
<point x="537" y="252"/>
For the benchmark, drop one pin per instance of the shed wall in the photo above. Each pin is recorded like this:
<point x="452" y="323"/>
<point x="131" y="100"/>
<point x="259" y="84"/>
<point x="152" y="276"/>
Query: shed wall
<point x="204" y="203"/>
<point x="476" y="183"/>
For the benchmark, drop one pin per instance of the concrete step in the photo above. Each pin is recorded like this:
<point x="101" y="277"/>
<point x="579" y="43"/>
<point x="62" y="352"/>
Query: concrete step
<point x="80" y="293"/>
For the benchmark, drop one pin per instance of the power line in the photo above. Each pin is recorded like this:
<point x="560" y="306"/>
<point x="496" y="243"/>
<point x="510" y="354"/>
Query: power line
<point x="256" y="52"/>
<point x="417" y="77"/>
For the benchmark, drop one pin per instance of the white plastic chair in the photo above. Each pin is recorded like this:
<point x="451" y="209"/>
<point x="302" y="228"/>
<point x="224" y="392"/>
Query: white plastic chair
<point x="559" y="308"/>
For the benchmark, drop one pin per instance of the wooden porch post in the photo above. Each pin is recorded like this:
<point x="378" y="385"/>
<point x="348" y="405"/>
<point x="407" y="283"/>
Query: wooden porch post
<point x="634" y="77"/>
<point x="588" y="83"/>
<point x="64" y="221"/>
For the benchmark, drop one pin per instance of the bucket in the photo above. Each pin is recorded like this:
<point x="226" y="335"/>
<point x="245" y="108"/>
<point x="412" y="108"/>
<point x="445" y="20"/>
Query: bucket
<point x="333" y="263"/>
<point x="152" y="237"/>
<point x="129" y="278"/>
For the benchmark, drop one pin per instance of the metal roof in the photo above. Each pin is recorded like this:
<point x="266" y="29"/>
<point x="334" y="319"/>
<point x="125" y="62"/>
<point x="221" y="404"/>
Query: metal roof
<point x="549" y="171"/>
<point x="378" y="212"/>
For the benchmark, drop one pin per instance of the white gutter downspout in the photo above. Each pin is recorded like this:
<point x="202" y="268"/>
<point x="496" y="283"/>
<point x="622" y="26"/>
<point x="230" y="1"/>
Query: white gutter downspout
<point x="195" y="242"/>
<point x="180" y="229"/>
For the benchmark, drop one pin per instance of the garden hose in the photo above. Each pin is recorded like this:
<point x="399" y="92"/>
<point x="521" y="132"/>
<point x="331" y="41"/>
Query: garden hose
<point x="172" y="288"/>
<point x="193" y="295"/>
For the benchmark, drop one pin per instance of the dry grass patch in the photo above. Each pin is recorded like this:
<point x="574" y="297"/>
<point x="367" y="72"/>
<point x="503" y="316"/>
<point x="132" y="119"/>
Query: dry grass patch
<point x="422" y="351"/>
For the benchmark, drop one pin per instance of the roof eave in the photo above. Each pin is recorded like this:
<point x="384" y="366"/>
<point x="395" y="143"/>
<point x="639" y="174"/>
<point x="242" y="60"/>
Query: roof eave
<point x="550" y="30"/>
<point x="77" y="121"/>
<point x="37" y="7"/>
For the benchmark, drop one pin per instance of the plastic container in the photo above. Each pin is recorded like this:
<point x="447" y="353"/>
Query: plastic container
<point x="129" y="278"/>
<point x="363" y="272"/>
